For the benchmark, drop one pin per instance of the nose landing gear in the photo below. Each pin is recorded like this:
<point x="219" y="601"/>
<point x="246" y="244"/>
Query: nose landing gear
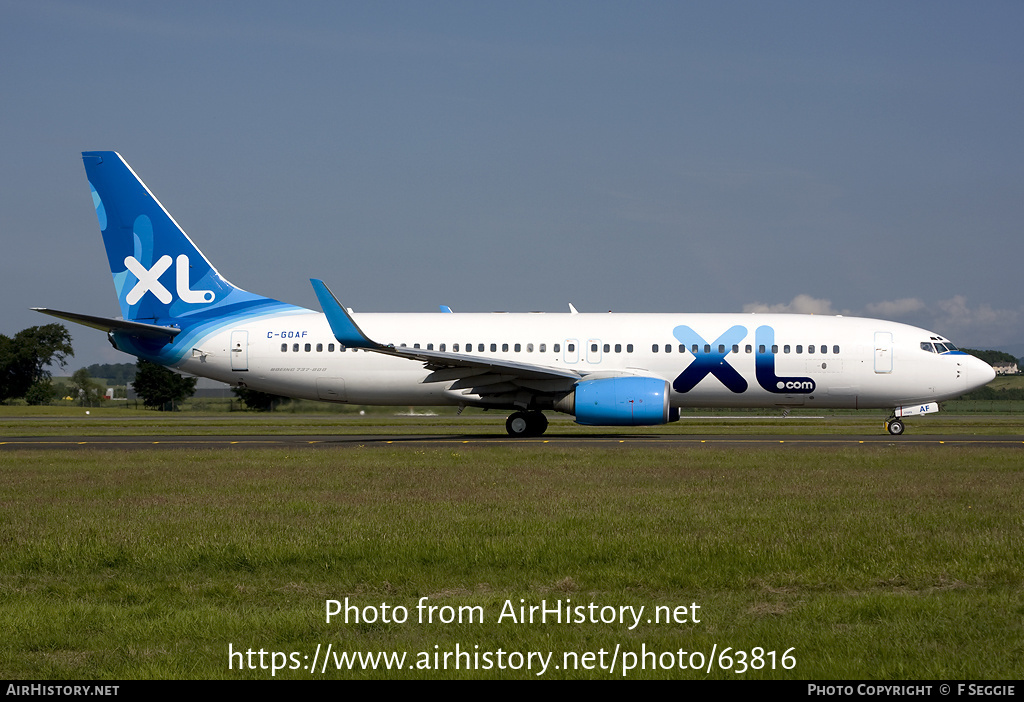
<point x="894" y="426"/>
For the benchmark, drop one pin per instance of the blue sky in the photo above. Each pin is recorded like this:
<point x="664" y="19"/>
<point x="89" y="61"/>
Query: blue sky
<point x="831" y="157"/>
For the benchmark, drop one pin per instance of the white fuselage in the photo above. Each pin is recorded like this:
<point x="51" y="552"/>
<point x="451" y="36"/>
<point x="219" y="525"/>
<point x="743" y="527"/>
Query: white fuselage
<point x="815" y="361"/>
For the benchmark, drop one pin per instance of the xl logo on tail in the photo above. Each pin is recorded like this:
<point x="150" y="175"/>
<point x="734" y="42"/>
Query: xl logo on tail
<point x="149" y="281"/>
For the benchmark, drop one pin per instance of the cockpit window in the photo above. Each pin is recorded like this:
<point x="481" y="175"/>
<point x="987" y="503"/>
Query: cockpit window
<point x="940" y="346"/>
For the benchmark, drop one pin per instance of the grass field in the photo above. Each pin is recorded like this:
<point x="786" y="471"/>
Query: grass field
<point x="877" y="562"/>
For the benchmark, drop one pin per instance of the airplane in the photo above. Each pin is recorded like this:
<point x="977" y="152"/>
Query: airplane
<point x="607" y="369"/>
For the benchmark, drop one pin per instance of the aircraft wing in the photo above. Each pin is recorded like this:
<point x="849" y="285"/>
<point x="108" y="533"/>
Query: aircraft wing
<point x="150" y="331"/>
<point x="473" y="374"/>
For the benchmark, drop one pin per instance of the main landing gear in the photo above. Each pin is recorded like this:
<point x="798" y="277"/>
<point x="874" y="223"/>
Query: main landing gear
<point x="894" y="426"/>
<point x="521" y="424"/>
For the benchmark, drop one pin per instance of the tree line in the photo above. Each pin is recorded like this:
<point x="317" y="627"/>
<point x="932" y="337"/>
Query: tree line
<point x="26" y="357"/>
<point x="993" y="357"/>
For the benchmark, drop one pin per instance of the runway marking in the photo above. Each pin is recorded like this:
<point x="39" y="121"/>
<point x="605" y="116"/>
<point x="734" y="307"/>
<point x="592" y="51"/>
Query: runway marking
<point x="352" y="440"/>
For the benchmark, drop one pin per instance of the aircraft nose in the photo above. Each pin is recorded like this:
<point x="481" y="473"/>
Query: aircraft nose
<point x="979" y="373"/>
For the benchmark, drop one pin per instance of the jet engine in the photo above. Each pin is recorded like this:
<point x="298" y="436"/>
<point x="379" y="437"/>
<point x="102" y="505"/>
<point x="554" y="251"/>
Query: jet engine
<point x="620" y="401"/>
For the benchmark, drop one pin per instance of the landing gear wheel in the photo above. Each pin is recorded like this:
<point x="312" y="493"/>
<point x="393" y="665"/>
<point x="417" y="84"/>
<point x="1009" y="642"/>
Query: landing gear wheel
<point x="518" y="424"/>
<point x="895" y="427"/>
<point x="538" y="423"/>
<point x="522" y="424"/>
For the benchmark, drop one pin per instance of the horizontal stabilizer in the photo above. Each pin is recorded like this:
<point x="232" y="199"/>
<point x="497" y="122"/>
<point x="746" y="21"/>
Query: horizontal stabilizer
<point x="141" y="329"/>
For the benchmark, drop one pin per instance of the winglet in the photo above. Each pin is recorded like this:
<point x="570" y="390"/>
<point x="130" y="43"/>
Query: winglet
<point x="346" y="331"/>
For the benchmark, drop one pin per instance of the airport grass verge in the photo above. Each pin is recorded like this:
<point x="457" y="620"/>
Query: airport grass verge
<point x="875" y="562"/>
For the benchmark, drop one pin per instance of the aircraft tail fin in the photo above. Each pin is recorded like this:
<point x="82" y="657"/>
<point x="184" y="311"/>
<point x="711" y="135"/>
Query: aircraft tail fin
<point x="159" y="274"/>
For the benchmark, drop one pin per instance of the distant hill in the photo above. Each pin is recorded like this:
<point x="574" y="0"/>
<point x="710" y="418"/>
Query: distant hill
<point x="991" y="357"/>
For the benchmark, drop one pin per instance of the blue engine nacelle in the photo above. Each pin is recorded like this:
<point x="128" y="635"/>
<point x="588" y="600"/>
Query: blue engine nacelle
<point x="621" y="401"/>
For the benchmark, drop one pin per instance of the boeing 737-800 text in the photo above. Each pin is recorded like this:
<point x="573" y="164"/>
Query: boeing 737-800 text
<point x="604" y="369"/>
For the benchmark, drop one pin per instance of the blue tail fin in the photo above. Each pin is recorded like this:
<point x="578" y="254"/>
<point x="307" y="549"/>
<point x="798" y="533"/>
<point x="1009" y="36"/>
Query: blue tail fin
<point x="159" y="274"/>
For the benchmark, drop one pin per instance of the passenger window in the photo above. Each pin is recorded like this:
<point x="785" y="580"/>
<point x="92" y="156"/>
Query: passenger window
<point x="668" y="348"/>
<point x="760" y="349"/>
<point x="441" y="348"/>
<point x="810" y="349"/>
<point x="629" y="348"/>
<point x="721" y="348"/>
<point x="529" y="348"/>
<point x="455" y="348"/>
<point x="330" y="348"/>
<point x="694" y="349"/>
<point x="480" y="348"/>
<point x="504" y="347"/>
<point x="557" y="348"/>
<point x="593" y="348"/>
<point x="570" y="348"/>
<point x="749" y="348"/>
<point x="607" y="348"/>
<point x="517" y="348"/>
<point x="654" y="348"/>
<point x="835" y="349"/>
<point x="682" y="348"/>
<point x="284" y="348"/>
<point x="775" y="348"/>
<point x="319" y="348"/>
<point x="494" y="347"/>
<point x="309" y="347"/>
<point x="544" y="347"/>
<point x="295" y="347"/>
<point x="707" y="348"/>
<point x="735" y="348"/>
<point x="618" y="348"/>
<point x="799" y="348"/>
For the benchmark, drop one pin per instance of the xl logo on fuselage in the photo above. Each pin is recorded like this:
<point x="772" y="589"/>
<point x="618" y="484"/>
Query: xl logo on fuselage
<point x="710" y="360"/>
<point x="149" y="281"/>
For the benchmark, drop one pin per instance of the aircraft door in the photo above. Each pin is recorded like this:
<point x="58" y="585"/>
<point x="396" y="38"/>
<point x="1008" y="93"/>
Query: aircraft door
<point x="593" y="350"/>
<point x="571" y="351"/>
<point x="239" y="350"/>
<point x="883" y="352"/>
